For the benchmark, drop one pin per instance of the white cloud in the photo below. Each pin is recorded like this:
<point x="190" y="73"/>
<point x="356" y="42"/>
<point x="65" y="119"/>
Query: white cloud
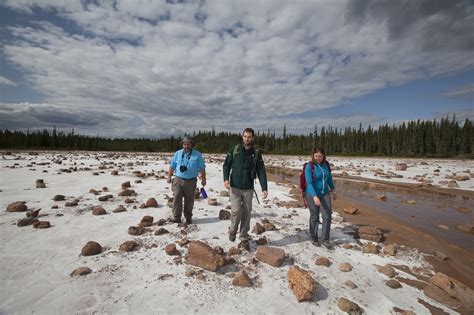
<point x="5" y="81"/>
<point x="465" y="92"/>
<point x="225" y="63"/>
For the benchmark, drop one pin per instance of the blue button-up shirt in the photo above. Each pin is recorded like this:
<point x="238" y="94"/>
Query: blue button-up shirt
<point x="194" y="162"/>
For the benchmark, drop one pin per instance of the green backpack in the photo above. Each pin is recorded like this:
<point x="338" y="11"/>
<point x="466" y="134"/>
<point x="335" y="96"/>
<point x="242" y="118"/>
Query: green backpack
<point x="255" y="159"/>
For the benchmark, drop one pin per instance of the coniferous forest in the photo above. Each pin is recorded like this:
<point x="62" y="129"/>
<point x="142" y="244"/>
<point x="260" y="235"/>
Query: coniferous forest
<point x="438" y="138"/>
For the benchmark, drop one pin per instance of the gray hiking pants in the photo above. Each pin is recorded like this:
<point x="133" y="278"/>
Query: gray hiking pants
<point x="326" y="213"/>
<point x="241" y="204"/>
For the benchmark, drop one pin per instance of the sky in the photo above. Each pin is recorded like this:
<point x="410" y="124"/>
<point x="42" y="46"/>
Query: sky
<point x="153" y="69"/>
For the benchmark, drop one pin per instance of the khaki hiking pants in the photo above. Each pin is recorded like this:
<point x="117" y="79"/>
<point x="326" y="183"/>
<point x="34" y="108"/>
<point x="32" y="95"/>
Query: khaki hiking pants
<point x="183" y="188"/>
<point x="241" y="203"/>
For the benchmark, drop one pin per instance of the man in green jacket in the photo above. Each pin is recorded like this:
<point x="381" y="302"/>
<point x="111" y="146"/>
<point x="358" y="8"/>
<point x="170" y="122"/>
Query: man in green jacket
<point x="242" y="165"/>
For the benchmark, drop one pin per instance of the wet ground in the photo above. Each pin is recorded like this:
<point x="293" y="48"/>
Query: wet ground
<point x="421" y="217"/>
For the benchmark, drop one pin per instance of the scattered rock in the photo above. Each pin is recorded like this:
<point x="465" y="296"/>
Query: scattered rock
<point x="401" y="167"/>
<point x="466" y="228"/>
<point x="81" y="271"/>
<point x="369" y="233"/>
<point x="301" y="283"/>
<point x="242" y="279"/>
<point x="323" y="261"/>
<point x="18" y="206"/>
<point x="261" y="241"/>
<point x="212" y="202"/>
<point x="126" y="185"/>
<point x="171" y="250"/>
<point x="234" y="251"/>
<point x="370" y="248"/>
<point x="348" y="306"/>
<point x="40" y="183"/>
<point x="72" y="203"/>
<point x="59" y="198"/>
<point x="127" y="193"/>
<point x="268" y="226"/>
<point x="161" y="222"/>
<point x="453" y="184"/>
<point x="437" y="294"/>
<point x="270" y="255"/>
<point x="202" y="255"/>
<point x="105" y="198"/>
<point x="390" y="249"/>
<point x="350" y="284"/>
<point x="26" y="221"/>
<point x="455" y="290"/>
<point x="258" y="229"/>
<point x="136" y="230"/>
<point x="98" y="210"/>
<point x="224" y="215"/>
<point x="387" y="270"/>
<point x="151" y="203"/>
<point x="161" y="231"/>
<point x="351" y="210"/>
<point x="146" y="221"/>
<point x="41" y="225"/>
<point x="128" y="246"/>
<point x="114" y="173"/>
<point x="91" y="248"/>
<point x="392" y="283"/>
<point x="224" y="193"/>
<point x="119" y="208"/>
<point x="345" y="267"/>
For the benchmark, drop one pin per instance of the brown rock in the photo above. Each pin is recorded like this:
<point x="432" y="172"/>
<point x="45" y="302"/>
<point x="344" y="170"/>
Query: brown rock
<point x="392" y="283"/>
<point x="323" y="261"/>
<point x="351" y="210"/>
<point x="41" y="225"/>
<point x="161" y="231"/>
<point x="120" y="208"/>
<point x="212" y="202"/>
<point x="202" y="255"/>
<point x="72" y="203"/>
<point x="345" y="267"/>
<point x="18" y="206"/>
<point x="105" y="198"/>
<point x="261" y="241"/>
<point x="161" y="222"/>
<point x="301" y="283"/>
<point x="387" y="270"/>
<point x="437" y="294"/>
<point x="136" y="230"/>
<point x="453" y="184"/>
<point x="348" y="306"/>
<point x="151" y="203"/>
<point x="171" y="250"/>
<point x="26" y="221"/>
<point x="128" y="246"/>
<point x="59" y="198"/>
<point x="242" y="279"/>
<point x="147" y="218"/>
<point x="350" y="284"/>
<point x="91" y="248"/>
<point x="224" y="215"/>
<point x="81" y="271"/>
<point x="454" y="289"/>
<point x="370" y="249"/>
<point x="390" y="249"/>
<point x="224" y="193"/>
<point x="40" y="183"/>
<point x="270" y="255"/>
<point x="114" y="173"/>
<point x="466" y="228"/>
<point x="98" y="210"/>
<point x="126" y="185"/>
<point x="268" y="226"/>
<point x="234" y="251"/>
<point x="127" y="192"/>
<point x="369" y="233"/>
<point x="258" y="229"/>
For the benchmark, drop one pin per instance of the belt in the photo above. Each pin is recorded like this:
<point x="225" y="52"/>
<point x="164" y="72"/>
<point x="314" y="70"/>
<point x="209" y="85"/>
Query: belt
<point x="186" y="178"/>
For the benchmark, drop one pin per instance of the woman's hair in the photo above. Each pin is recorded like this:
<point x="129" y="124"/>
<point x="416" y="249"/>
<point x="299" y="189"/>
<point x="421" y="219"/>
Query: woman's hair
<point x="318" y="150"/>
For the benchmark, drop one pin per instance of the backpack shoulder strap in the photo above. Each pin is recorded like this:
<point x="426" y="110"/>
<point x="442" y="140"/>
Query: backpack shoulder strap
<point x="257" y="155"/>
<point x="235" y="151"/>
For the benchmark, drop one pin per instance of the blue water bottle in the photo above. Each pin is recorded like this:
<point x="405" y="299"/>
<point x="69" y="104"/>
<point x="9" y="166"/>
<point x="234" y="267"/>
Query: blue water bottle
<point x="203" y="193"/>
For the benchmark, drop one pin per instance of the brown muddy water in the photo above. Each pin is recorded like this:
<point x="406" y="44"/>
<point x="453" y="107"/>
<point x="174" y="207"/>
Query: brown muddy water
<point x="426" y="209"/>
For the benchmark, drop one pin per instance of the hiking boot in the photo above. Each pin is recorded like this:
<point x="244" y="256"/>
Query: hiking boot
<point x="327" y="244"/>
<point x="231" y="237"/>
<point x="176" y="220"/>
<point x="189" y="221"/>
<point x="316" y="243"/>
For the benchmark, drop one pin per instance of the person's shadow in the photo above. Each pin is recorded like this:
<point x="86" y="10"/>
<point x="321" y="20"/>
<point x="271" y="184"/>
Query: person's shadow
<point x="300" y="236"/>
<point x="205" y="220"/>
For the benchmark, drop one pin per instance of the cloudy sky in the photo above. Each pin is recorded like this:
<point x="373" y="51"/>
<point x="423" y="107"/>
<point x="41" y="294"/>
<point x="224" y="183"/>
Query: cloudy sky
<point x="156" y="68"/>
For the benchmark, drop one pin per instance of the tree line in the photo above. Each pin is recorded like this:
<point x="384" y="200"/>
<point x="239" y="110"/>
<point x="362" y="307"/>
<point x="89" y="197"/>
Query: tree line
<point x="436" y="138"/>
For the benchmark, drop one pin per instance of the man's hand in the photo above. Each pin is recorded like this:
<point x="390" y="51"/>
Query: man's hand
<point x="203" y="182"/>
<point x="168" y="180"/>
<point x="265" y="194"/>
<point x="317" y="201"/>
<point x="226" y="184"/>
<point x="334" y="196"/>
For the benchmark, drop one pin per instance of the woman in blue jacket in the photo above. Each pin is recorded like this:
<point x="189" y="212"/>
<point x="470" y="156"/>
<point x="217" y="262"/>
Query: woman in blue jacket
<point x="319" y="188"/>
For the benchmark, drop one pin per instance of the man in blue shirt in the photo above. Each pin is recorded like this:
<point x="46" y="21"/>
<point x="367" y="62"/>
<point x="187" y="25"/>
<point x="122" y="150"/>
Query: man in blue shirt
<point x="186" y="164"/>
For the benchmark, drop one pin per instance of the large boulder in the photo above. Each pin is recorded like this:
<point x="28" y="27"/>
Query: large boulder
<point x="270" y="255"/>
<point x="301" y="283"/>
<point x="453" y="293"/>
<point x="18" y="206"/>
<point x="204" y="256"/>
<point x="151" y="203"/>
